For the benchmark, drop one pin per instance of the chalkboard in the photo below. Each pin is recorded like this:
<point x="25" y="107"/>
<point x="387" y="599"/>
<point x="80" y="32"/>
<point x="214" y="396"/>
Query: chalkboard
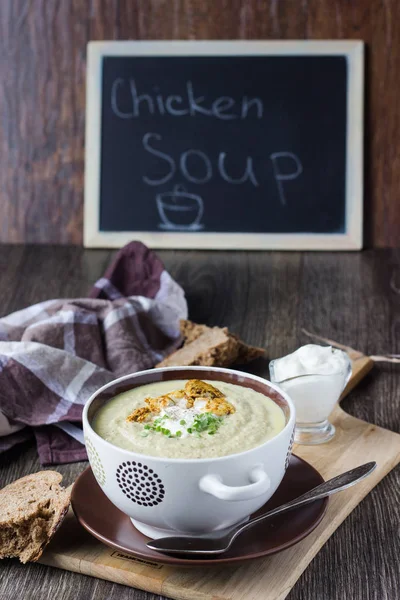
<point x="198" y="149"/>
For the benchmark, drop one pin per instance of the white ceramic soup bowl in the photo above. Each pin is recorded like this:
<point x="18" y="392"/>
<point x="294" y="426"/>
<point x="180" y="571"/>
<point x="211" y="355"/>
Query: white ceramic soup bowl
<point x="190" y="496"/>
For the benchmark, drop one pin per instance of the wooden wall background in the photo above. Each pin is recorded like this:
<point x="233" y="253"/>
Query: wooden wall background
<point x="42" y="93"/>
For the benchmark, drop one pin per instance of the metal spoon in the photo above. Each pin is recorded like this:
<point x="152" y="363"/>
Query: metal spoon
<point x="217" y="545"/>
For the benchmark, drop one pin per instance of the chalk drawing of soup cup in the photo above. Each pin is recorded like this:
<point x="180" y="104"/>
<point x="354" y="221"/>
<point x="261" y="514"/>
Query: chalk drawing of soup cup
<point x="179" y="210"/>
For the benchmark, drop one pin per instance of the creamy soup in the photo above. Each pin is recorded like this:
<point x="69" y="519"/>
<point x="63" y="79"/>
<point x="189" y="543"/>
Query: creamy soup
<point x="189" y="419"/>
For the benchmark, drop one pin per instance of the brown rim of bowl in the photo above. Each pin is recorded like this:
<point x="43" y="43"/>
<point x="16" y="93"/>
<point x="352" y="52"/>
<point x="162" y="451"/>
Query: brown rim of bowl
<point x="125" y="383"/>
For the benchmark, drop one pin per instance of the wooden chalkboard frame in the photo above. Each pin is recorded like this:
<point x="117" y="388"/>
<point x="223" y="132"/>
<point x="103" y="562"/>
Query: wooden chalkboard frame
<point x="350" y="240"/>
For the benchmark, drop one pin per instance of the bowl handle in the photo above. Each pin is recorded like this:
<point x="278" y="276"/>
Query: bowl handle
<point x="212" y="484"/>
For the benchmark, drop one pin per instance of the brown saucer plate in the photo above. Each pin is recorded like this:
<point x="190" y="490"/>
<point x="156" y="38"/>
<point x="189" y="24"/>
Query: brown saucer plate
<point x="112" y="527"/>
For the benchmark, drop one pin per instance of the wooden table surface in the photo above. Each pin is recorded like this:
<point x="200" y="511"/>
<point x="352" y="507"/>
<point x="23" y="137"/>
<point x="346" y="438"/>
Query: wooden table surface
<point x="266" y="298"/>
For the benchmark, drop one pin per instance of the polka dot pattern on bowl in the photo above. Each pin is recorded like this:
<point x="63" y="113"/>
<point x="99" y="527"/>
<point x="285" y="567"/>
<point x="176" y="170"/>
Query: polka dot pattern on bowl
<point x="140" y="483"/>
<point x="95" y="462"/>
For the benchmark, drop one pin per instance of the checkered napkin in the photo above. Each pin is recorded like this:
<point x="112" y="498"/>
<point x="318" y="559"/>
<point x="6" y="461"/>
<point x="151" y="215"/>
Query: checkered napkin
<point x="55" y="354"/>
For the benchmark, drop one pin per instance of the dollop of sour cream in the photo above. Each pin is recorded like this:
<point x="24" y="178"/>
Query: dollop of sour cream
<point x="180" y="418"/>
<point x="310" y="359"/>
<point x="314" y="396"/>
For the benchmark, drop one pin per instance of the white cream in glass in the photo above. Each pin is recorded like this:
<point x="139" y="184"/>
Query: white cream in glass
<point x="314" y="377"/>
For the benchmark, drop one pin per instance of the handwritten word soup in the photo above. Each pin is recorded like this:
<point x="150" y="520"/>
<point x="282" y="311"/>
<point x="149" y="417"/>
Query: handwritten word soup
<point x="195" y="165"/>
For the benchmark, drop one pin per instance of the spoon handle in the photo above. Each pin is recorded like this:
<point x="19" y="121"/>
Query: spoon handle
<point x="336" y="484"/>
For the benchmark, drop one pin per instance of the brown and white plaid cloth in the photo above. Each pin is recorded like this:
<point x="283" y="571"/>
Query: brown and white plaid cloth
<point x="55" y="354"/>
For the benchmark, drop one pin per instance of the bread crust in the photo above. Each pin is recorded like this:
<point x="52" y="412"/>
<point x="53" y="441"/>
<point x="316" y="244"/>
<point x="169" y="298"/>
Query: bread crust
<point x="31" y="510"/>
<point x="210" y="346"/>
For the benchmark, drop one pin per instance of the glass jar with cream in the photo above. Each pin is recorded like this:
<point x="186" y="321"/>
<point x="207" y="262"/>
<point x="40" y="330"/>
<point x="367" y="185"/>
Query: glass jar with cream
<point x="314" y="377"/>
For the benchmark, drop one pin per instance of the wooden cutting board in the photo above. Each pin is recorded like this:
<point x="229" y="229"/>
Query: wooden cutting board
<point x="270" y="578"/>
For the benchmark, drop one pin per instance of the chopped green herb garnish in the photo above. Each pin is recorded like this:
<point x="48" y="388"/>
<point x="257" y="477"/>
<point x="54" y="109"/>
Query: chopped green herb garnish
<point x="204" y="422"/>
<point x="207" y="422"/>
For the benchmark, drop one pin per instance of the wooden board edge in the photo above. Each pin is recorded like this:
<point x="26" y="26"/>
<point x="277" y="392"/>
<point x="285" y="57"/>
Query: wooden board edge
<point x="355" y="145"/>
<point x="223" y="47"/>
<point x="129" y="577"/>
<point x="91" y="206"/>
<point x="362" y="365"/>
<point x="94" y="238"/>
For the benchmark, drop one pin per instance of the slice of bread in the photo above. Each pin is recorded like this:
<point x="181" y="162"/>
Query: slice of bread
<point x="191" y="331"/>
<point x="210" y="346"/>
<point x="31" y="510"/>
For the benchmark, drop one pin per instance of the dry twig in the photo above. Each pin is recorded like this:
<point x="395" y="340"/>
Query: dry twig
<point x="355" y="354"/>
